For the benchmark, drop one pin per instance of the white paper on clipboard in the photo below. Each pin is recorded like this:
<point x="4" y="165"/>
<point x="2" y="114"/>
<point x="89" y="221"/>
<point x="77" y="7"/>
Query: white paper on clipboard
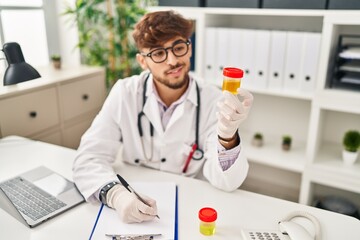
<point x="165" y="195"/>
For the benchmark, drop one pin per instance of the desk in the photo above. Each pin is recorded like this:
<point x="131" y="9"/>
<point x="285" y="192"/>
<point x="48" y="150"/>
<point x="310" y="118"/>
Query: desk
<point x="235" y="210"/>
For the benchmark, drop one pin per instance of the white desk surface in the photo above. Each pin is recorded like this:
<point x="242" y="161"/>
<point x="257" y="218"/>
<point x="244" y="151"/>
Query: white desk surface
<point x="236" y="210"/>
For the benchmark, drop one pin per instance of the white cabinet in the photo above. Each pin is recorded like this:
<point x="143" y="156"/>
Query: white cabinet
<point x="56" y="108"/>
<point x="316" y="119"/>
<point x="29" y="113"/>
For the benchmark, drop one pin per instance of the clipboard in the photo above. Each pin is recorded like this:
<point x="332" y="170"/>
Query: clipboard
<point x="165" y="194"/>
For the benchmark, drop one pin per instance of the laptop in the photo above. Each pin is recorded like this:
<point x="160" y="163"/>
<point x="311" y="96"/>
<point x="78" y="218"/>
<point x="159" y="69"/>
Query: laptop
<point x="38" y="195"/>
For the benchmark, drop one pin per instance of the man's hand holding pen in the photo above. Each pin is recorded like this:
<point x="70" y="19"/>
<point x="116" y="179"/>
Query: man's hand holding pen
<point x="129" y="207"/>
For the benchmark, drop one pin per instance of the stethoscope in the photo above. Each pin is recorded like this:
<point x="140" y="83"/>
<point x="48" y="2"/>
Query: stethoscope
<point x="196" y="153"/>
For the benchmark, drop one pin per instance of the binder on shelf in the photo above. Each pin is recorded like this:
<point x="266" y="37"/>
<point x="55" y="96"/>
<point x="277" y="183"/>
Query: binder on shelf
<point x="310" y="61"/>
<point x="293" y="59"/>
<point x="277" y="59"/>
<point x="235" y="41"/>
<point x="222" y="53"/>
<point x="247" y="51"/>
<point x="210" y="54"/>
<point x="261" y="58"/>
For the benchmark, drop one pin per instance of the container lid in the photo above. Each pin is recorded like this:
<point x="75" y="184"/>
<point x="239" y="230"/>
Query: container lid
<point x="207" y="214"/>
<point x="233" y="72"/>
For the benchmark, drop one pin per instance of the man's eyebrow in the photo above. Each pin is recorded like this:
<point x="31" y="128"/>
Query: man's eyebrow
<point x="172" y="44"/>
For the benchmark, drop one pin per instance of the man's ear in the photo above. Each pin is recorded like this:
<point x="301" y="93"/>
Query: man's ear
<point x="141" y="60"/>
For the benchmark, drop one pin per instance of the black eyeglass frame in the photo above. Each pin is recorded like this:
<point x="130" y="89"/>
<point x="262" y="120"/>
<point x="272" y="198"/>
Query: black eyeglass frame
<point x="149" y="54"/>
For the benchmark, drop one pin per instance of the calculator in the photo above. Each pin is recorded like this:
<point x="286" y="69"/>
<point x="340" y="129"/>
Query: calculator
<point x="256" y="234"/>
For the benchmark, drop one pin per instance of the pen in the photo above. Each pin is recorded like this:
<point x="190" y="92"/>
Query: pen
<point x="130" y="189"/>
<point x="193" y="148"/>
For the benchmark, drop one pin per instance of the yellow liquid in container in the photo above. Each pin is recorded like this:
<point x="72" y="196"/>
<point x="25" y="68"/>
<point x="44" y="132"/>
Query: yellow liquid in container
<point x="207" y="228"/>
<point x="207" y="218"/>
<point x="231" y="85"/>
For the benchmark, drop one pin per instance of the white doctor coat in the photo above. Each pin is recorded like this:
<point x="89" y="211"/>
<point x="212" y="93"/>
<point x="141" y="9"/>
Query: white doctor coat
<point x="116" y="125"/>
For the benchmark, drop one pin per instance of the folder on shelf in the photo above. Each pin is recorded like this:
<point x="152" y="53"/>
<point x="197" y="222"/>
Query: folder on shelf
<point x="222" y="53"/>
<point x="350" y="53"/>
<point x="353" y="66"/>
<point x="352" y="78"/>
<point x="210" y="54"/>
<point x="235" y="41"/>
<point x="293" y="59"/>
<point x="261" y="59"/>
<point x="247" y="51"/>
<point x="310" y="61"/>
<point x="165" y="194"/>
<point x="277" y="59"/>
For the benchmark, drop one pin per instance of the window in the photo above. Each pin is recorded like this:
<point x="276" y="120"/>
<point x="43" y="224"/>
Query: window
<point x="32" y="24"/>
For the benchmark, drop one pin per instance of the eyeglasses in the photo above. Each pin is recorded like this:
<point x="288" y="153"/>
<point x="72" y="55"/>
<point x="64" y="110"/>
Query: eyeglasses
<point x="179" y="48"/>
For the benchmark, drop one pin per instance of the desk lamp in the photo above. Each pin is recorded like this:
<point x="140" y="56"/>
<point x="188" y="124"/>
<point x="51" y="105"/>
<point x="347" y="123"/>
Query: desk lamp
<point x="18" y="70"/>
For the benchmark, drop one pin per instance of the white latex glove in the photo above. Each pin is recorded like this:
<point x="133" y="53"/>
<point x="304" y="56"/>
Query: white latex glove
<point x="232" y="112"/>
<point x="129" y="208"/>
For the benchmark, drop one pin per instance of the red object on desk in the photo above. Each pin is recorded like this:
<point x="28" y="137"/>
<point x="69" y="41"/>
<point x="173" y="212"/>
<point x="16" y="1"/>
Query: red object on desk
<point x="193" y="148"/>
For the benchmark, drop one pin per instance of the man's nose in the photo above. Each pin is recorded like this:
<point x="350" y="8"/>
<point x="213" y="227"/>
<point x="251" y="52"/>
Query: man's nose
<point x="171" y="59"/>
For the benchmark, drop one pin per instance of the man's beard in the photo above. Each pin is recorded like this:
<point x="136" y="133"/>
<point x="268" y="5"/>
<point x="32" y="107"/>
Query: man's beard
<point x="174" y="85"/>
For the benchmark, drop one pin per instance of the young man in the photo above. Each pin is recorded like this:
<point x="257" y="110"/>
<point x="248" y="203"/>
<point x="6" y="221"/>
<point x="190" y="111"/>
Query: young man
<point x="158" y="117"/>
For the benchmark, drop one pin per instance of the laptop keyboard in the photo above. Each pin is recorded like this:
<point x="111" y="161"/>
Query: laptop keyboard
<point x="29" y="199"/>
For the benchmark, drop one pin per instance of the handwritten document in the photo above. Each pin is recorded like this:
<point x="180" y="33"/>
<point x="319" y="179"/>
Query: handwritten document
<point x="165" y="195"/>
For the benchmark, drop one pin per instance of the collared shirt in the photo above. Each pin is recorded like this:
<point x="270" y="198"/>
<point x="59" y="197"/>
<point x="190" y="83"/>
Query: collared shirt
<point x="226" y="157"/>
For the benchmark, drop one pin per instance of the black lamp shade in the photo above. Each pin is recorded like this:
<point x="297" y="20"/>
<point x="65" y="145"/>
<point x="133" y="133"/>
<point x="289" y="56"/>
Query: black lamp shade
<point x="18" y="70"/>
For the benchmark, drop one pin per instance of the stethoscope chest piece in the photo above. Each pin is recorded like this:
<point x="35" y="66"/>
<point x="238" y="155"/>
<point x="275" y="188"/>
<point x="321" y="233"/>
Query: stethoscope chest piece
<point x="198" y="154"/>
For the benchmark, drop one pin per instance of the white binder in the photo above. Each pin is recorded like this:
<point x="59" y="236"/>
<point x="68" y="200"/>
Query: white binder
<point x="222" y="53"/>
<point x="293" y="60"/>
<point x="277" y="59"/>
<point x="261" y="58"/>
<point x="310" y="60"/>
<point x="235" y="41"/>
<point x="210" y="54"/>
<point x="247" y="51"/>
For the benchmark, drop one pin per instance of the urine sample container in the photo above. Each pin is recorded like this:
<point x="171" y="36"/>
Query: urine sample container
<point x="207" y="218"/>
<point x="232" y="79"/>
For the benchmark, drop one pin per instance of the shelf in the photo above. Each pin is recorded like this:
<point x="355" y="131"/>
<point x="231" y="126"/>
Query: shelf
<point x="272" y="155"/>
<point x="338" y="100"/>
<point x="52" y="76"/>
<point x="320" y="191"/>
<point x="311" y="118"/>
<point x="260" y="11"/>
<point x="268" y="188"/>
<point x="284" y="93"/>
<point x="329" y="168"/>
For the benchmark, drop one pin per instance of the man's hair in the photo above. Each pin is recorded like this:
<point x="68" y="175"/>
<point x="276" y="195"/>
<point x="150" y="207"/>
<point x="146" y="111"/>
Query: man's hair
<point x="156" y="28"/>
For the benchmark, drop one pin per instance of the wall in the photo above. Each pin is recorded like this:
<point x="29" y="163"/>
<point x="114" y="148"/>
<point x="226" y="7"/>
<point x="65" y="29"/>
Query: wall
<point x="68" y="35"/>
